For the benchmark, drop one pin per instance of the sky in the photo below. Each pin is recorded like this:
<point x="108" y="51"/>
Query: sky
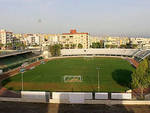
<point x="98" y="17"/>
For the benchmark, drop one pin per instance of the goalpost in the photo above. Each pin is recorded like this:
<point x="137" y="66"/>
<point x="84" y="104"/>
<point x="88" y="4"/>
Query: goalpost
<point x="72" y="78"/>
<point x="88" y="57"/>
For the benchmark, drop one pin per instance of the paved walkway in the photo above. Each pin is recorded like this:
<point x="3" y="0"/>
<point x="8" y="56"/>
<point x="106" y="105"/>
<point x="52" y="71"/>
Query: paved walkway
<point x="133" y="62"/>
<point x="16" y="107"/>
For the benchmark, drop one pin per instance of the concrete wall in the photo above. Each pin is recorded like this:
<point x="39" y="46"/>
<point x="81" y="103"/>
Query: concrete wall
<point x="108" y="102"/>
<point x="71" y="97"/>
<point x="30" y="96"/>
<point x="88" y="96"/>
<point x="60" y="95"/>
<point x="75" y="98"/>
<point x="147" y="97"/>
<point x="101" y="95"/>
<point x="121" y="96"/>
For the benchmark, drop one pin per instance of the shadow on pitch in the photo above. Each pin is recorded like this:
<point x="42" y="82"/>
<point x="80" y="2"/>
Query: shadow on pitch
<point x="122" y="77"/>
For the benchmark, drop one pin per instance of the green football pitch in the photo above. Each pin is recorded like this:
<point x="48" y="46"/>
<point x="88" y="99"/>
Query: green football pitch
<point x="114" y="75"/>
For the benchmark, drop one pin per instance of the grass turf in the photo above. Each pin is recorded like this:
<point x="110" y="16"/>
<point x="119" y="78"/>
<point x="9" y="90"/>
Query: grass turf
<point x="115" y="75"/>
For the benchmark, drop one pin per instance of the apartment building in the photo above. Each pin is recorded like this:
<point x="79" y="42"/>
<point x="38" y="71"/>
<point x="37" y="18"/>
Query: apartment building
<point x="141" y="42"/>
<point x="94" y="39"/>
<point x="53" y="38"/>
<point x="6" y="36"/>
<point x="117" y="41"/>
<point x="18" y="36"/>
<point x="75" y="38"/>
<point x="32" y="40"/>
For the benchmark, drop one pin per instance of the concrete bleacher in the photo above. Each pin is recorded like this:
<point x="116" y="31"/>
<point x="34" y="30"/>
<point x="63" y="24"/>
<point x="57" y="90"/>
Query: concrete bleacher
<point x="12" y="62"/>
<point x="17" y="58"/>
<point x="142" y="54"/>
<point x="4" y="54"/>
<point x="96" y="52"/>
<point x="137" y="54"/>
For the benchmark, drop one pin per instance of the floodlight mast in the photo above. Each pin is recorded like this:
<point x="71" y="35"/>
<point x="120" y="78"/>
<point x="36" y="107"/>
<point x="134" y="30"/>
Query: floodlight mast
<point x="22" y="80"/>
<point x="98" y="78"/>
<point x="22" y="71"/>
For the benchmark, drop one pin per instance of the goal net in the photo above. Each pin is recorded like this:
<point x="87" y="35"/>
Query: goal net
<point x="72" y="78"/>
<point x="87" y="58"/>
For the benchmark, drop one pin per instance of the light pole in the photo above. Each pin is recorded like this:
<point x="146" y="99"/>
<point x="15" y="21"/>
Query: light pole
<point x="98" y="78"/>
<point x="22" y="80"/>
<point x="22" y="71"/>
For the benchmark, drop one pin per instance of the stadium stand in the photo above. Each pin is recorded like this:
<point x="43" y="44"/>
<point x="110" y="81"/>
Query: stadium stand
<point x="13" y="52"/>
<point x="99" y="52"/>
<point x="12" y="59"/>
<point x="137" y="54"/>
<point x="142" y="54"/>
<point x="11" y="62"/>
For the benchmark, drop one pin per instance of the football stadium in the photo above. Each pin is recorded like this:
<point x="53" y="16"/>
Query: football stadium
<point x="80" y="70"/>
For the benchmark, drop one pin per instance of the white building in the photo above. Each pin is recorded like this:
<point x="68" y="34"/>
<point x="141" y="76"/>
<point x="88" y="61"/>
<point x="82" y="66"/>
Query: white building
<point x="117" y="41"/>
<point x="75" y="38"/>
<point x="94" y="39"/>
<point x="143" y="43"/>
<point x="6" y="37"/>
<point x="33" y="40"/>
<point x="53" y="39"/>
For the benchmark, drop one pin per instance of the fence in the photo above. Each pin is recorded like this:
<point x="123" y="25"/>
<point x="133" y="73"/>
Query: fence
<point x="121" y="96"/>
<point x="30" y="96"/>
<point x="75" y="98"/>
<point x="101" y="96"/>
<point x="71" y="97"/>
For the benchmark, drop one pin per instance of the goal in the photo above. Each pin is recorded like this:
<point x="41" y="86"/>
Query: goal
<point x="72" y="78"/>
<point x="87" y="58"/>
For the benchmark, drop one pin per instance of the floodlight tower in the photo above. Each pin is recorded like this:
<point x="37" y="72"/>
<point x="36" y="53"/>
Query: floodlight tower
<point x="22" y="69"/>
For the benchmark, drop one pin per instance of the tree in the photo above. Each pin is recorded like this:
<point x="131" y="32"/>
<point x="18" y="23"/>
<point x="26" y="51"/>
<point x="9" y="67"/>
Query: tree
<point x="97" y="45"/>
<point x="55" y="50"/>
<point x="19" y="45"/>
<point x="122" y="46"/>
<point x="107" y="46"/>
<point x="129" y="45"/>
<point x="101" y="44"/>
<point x="1" y="45"/>
<point x="141" y="76"/>
<point x="9" y="45"/>
<point x="61" y="46"/>
<point x="80" y="46"/>
<point x="113" y="46"/>
<point x="110" y="46"/>
<point x="66" y="46"/>
<point x="134" y="46"/>
<point x="72" y="46"/>
<point x="93" y="45"/>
